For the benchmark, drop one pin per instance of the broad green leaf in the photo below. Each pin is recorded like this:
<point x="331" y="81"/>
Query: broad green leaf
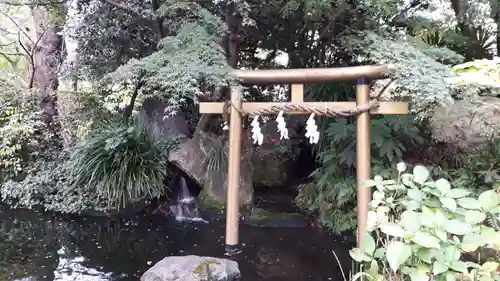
<point x="359" y="256"/>
<point x="368" y="183"/>
<point x="416" y="194"/>
<point x="427" y="220"/>
<point x="378" y="195"/>
<point x="408" y="270"/>
<point x="469" y="203"/>
<point x="457" y="193"/>
<point x="433" y="203"/>
<point x="397" y="254"/>
<point x="420" y="174"/>
<point x="423" y="268"/>
<point x="495" y="210"/>
<point x="410" y="221"/>
<point x="379" y="253"/>
<point x="373" y="270"/>
<point x="419" y="277"/>
<point x="425" y="254"/>
<point x="439" y="267"/>
<point x="489" y="199"/>
<point x="470" y="242"/>
<point x="392" y="229"/>
<point x="450" y="276"/>
<point x="368" y="245"/>
<point x="459" y="266"/>
<point x="371" y="220"/>
<point x="439" y="218"/>
<point x="474" y="217"/>
<point x="472" y="265"/>
<point x="426" y="240"/>
<point x="407" y="180"/>
<point x="489" y="266"/>
<point x="443" y="186"/>
<point x="449" y="203"/>
<point x="412" y="205"/>
<point x="457" y="227"/>
<point x="441" y="234"/>
<point x="451" y="254"/>
<point x="487" y="278"/>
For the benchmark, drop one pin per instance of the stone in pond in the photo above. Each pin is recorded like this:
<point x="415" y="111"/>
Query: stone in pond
<point x="193" y="268"/>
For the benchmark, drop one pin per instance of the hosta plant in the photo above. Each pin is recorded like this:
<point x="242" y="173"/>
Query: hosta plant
<point x="419" y="229"/>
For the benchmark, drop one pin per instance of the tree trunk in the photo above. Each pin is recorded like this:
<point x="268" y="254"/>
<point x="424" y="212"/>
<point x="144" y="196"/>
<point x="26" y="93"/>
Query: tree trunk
<point x="47" y="57"/>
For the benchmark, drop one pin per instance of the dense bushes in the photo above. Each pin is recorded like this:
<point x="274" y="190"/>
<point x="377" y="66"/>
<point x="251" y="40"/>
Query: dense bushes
<point x="421" y="229"/>
<point x="332" y="193"/>
<point x="122" y="163"/>
<point x="118" y="165"/>
<point x="76" y="164"/>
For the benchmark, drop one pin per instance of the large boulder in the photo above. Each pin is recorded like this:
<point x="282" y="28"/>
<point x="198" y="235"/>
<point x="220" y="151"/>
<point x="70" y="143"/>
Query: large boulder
<point x="191" y="156"/>
<point x="467" y="124"/>
<point x="275" y="160"/>
<point x="193" y="268"/>
<point x="191" y="153"/>
<point x="152" y="112"/>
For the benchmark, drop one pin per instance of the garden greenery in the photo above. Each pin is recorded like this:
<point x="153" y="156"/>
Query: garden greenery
<point x="331" y="196"/>
<point x="421" y="229"/>
<point x="122" y="163"/>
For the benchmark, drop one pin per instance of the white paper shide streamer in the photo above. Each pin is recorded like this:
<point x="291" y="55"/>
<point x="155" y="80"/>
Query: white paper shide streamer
<point x="312" y="130"/>
<point x="257" y="135"/>
<point x="282" y="126"/>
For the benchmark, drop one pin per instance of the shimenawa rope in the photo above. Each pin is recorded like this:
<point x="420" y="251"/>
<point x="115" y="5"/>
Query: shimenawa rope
<point x="273" y="110"/>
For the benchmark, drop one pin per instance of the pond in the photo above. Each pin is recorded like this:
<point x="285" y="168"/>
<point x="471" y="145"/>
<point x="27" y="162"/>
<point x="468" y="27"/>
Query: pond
<point x="42" y="247"/>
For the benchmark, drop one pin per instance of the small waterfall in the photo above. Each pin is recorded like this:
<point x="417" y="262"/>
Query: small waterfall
<point x="185" y="207"/>
<point x="184" y="196"/>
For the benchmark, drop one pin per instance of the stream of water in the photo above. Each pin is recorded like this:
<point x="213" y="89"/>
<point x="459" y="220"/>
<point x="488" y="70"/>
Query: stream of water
<point x="35" y="246"/>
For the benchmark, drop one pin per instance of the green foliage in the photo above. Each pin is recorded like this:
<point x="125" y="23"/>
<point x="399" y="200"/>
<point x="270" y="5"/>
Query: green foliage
<point x="107" y="37"/>
<point x="420" y="229"/>
<point x="333" y="192"/>
<point x="123" y="164"/>
<point x="482" y="72"/>
<point x="391" y="136"/>
<point x="417" y="74"/>
<point x="215" y="157"/>
<point x="24" y="135"/>
<point x="186" y="67"/>
<point x="480" y="171"/>
<point x="46" y="186"/>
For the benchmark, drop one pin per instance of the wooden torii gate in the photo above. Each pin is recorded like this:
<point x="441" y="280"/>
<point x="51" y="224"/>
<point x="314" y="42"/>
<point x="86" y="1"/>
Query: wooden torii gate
<point x="363" y="107"/>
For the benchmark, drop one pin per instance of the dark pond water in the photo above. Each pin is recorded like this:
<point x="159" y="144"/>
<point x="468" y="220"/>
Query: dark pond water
<point x="39" y="247"/>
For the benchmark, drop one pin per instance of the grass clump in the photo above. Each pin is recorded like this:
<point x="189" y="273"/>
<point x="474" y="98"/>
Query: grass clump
<point x="123" y="163"/>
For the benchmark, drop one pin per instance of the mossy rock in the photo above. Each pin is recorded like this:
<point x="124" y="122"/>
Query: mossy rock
<point x="204" y="266"/>
<point x="263" y="218"/>
<point x="207" y="202"/>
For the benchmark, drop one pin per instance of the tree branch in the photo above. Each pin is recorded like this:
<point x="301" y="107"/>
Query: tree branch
<point x="130" y="107"/>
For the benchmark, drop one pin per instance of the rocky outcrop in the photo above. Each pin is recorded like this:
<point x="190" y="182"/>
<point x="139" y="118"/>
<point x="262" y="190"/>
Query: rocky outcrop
<point x="467" y="124"/>
<point x="192" y="268"/>
<point x="153" y="112"/>
<point x="192" y="152"/>
<point x="191" y="157"/>
<point x="274" y="161"/>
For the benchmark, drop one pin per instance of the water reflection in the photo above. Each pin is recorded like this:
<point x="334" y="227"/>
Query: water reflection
<point x="38" y="247"/>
